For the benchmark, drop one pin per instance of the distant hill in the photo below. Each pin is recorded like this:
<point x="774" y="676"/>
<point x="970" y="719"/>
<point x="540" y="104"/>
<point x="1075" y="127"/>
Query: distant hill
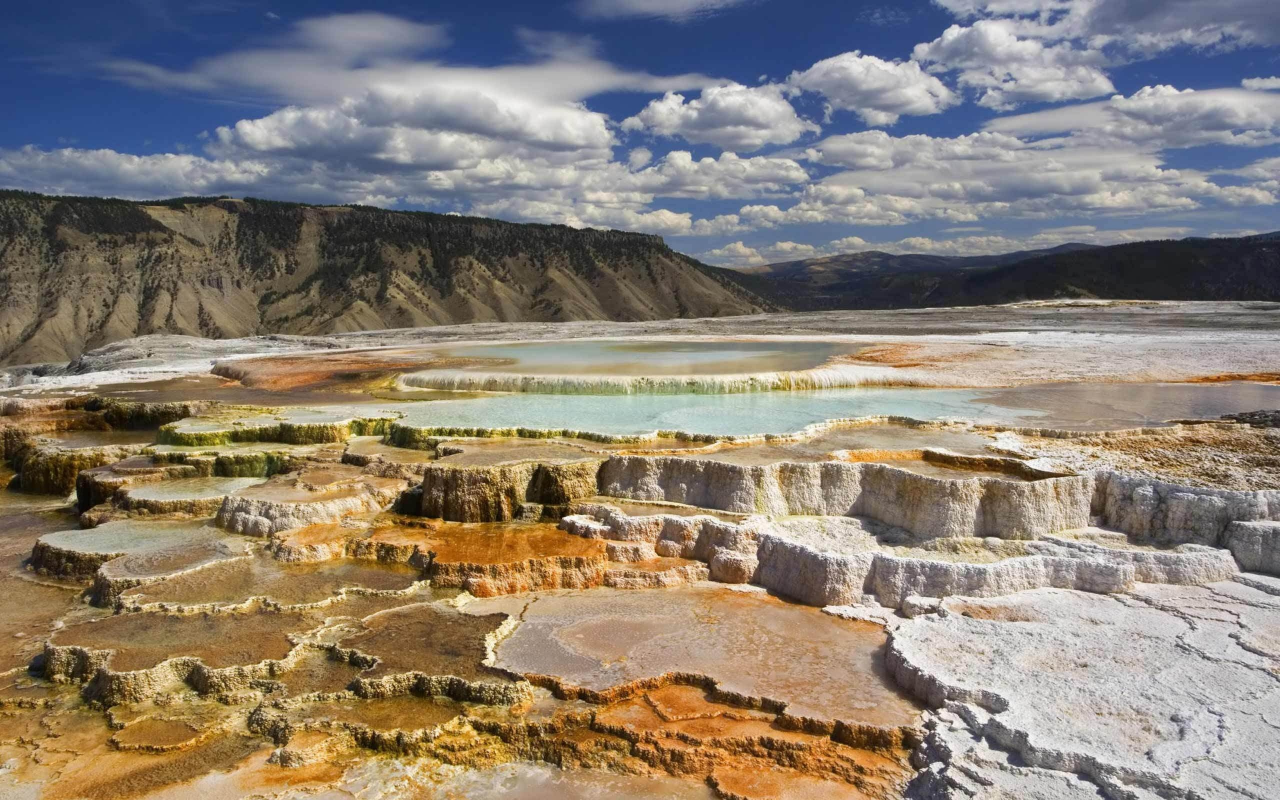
<point x="1191" y="269"/>
<point x="77" y="273"/>
<point x="829" y="270"/>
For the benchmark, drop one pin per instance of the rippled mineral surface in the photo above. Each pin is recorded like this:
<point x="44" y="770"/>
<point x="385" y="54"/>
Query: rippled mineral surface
<point x="783" y="560"/>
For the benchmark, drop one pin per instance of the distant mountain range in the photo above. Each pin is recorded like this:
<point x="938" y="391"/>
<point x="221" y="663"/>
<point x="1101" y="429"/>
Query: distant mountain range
<point x="1190" y="269"/>
<point x="828" y="270"/>
<point x="77" y="273"/>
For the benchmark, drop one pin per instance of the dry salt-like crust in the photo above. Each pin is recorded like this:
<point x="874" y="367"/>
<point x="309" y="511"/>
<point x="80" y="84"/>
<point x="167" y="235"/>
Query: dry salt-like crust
<point x="1162" y="692"/>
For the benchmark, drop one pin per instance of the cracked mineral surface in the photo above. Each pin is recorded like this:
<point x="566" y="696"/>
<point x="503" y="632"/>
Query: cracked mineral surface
<point x="782" y="557"/>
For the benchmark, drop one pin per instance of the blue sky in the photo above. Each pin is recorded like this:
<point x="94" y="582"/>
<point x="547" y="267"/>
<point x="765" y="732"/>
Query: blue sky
<point x="744" y="131"/>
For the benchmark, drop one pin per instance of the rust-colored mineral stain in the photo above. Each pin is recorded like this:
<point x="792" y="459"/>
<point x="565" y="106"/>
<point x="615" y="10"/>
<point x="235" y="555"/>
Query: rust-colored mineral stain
<point x="1230" y="377"/>
<point x="751" y="644"/>
<point x="315" y="672"/>
<point x="307" y="779"/>
<point x="111" y="775"/>
<point x="892" y="355"/>
<point x="686" y="712"/>
<point x="757" y="782"/>
<point x="286" y="583"/>
<point x="141" y="641"/>
<point x="428" y="638"/>
<point x="407" y="713"/>
<point x="995" y="612"/>
<point x="750" y="753"/>
<point x="659" y="564"/>
<point x="680" y="702"/>
<point x="350" y="371"/>
<point x="152" y="733"/>
<point x="324" y="533"/>
<point x="491" y="542"/>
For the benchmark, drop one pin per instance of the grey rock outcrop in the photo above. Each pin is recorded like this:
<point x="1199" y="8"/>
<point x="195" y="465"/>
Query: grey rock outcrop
<point x="920" y="504"/>
<point x="261" y="511"/>
<point x="1255" y="545"/>
<point x="839" y="560"/>
<point x="496" y="493"/>
<point x="1166" y="513"/>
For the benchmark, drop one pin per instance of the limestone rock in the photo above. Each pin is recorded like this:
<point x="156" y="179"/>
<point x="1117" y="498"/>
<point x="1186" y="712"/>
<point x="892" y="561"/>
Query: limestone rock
<point x="1163" y="512"/>
<point x="837" y="561"/>
<point x="1165" y="692"/>
<point x="53" y="469"/>
<point x="497" y="493"/>
<point x="290" y="501"/>
<point x="1255" y="545"/>
<point x="921" y="504"/>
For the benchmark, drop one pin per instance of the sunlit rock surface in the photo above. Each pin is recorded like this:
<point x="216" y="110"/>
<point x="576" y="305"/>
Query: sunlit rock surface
<point x="512" y="561"/>
<point x="1165" y="691"/>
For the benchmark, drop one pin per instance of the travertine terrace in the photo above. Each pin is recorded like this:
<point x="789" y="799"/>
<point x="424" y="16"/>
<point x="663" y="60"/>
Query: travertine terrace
<point x="829" y="555"/>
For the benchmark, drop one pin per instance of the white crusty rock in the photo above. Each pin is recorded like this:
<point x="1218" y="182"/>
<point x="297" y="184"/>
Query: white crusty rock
<point x="1255" y="545"/>
<point x="698" y="536"/>
<point x="920" y="504"/>
<point x="836" y="561"/>
<point x="1169" y="691"/>
<point x="288" y="502"/>
<point x="1166" y="513"/>
<point x="958" y="764"/>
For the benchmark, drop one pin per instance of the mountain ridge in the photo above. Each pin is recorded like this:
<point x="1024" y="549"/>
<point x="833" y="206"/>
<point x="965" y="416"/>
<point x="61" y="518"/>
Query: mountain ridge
<point x="76" y="273"/>
<point x="882" y="261"/>
<point x="1244" y="268"/>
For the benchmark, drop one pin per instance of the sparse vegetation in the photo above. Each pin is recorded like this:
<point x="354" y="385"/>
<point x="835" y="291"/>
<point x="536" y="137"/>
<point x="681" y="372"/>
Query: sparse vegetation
<point x="241" y="267"/>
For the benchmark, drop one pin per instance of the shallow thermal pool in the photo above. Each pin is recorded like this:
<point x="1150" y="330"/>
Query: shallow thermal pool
<point x="100" y="438"/>
<point x="643" y="358"/>
<point x="751" y="643"/>
<point x="192" y="488"/>
<point x="1075" y="406"/>
<point x="1083" y="406"/>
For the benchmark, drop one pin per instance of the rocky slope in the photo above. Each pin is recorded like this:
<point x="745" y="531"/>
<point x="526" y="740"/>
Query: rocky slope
<point x="828" y="270"/>
<point x="1191" y="269"/>
<point x="77" y="273"/>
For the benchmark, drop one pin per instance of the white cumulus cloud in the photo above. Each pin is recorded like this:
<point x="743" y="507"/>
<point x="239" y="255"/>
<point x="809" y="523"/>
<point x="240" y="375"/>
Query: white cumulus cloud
<point x="732" y="117"/>
<point x="1008" y="70"/>
<point x="1261" y="84"/>
<point x="734" y="254"/>
<point x="1161" y="117"/>
<point x="879" y="91"/>
<point x="1138" y="26"/>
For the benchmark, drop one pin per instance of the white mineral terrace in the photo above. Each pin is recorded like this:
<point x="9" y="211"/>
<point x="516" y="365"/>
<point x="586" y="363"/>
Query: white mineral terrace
<point x="833" y="555"/>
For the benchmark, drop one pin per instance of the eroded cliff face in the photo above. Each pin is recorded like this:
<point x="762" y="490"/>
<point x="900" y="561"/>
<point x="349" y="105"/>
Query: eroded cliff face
<point x="78" y="273"/>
